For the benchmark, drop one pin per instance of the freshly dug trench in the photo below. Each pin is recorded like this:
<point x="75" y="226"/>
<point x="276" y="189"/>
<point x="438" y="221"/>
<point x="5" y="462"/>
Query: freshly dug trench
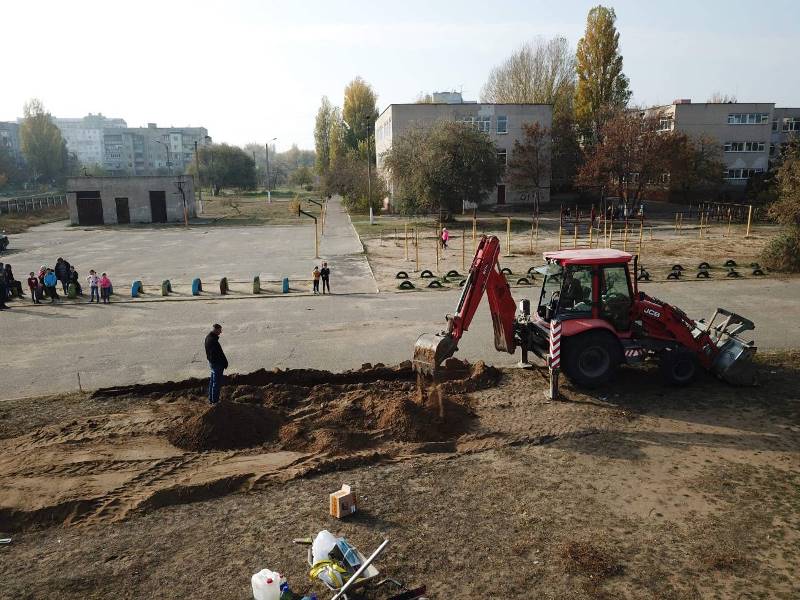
<point x="351" y="411"/>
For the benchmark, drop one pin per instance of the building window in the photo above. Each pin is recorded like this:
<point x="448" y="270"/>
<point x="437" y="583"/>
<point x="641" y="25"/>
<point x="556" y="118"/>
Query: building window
<point x="744" y="146"/>
<point x="665" y="124"/>
<point x="791" y="124"/>
<point x="742" y="173"/>
<point x="484" y="124"/>
<point x="772" y="149"/>
<point x="775" y="125"/>
<point x="748" y="118"/>
<point x="502" y="156"/>
<point x="502" y="124"/>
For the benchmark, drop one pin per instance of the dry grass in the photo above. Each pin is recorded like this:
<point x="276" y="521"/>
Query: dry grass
<point x="250" y="210"/>
<point x="589" y="559"/>
<point x="19" y="222"/>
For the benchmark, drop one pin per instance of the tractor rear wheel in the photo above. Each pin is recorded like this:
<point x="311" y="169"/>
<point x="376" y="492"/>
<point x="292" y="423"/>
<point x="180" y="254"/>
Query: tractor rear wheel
<point x="592" y="358"/>
<point x="678" y="367"/>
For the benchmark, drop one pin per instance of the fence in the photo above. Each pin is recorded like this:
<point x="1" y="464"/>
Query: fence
<point x="25" y="204"/>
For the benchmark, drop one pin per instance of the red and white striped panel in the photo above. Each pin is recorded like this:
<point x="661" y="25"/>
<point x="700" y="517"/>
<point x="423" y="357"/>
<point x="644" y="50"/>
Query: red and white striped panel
<point x="634" y="352"/>
<point x="555" y="344"/>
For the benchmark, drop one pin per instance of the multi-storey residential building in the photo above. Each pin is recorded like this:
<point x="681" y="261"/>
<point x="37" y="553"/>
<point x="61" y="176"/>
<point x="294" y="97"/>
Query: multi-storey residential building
<point x="502" y="122"/>
<point x="9" y="139"/>
<point x="151" y="150"/>
<point x="84" y="136"/>
<point x="748" y="133"/>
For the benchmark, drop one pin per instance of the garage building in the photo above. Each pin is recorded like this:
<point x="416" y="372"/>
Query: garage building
<point x="120" y="200"/>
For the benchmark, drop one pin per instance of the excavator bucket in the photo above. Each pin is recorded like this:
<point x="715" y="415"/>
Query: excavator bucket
<point x="431" y="350"/>
<point x="734" y="362"/>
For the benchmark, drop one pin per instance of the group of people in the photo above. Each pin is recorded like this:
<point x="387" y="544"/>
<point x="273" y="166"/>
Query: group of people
<point x="45" y="283"/>
<point x="323" y="274"/>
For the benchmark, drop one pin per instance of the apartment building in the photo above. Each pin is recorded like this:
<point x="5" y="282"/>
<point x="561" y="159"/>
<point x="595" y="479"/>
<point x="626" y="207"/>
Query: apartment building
<point x="502" y="122"/>
<point x="9" y="139"/>
<point x="84" y="135"/>
<point x="748" y="133"/>
<point x="151" y="150"/>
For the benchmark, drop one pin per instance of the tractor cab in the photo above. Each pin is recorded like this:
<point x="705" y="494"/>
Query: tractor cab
<point x="587" y="284"/>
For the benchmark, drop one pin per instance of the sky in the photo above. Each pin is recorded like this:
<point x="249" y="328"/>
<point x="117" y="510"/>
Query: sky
<point x="250" y="70"/>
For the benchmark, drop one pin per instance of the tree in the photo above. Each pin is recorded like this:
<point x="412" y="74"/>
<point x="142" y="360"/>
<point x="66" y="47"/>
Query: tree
<point x="601" y="82"/>
<point x="442" y="167"/>
<point x="695" y="165"/>
<point x="10" y="171"/>
<point x="41" y="142"/>
<point x="322" y="136"/>
<point x="529" y="165"/>
<point x="359" y="112"/>
<point x="348" y="177"/>
<point x="302" y="176"/>
<point x="720" y="98"/>
<point x="224" y="166"/>
<point x="783" y="252"/>
<point x="630" y="158"/>
<point x="539" y="72"/>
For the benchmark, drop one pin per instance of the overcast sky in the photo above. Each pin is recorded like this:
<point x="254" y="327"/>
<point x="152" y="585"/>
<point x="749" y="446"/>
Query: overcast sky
<point x="254" y="70"/>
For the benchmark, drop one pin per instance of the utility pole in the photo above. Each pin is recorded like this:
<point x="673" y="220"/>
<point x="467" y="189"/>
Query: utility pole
<point x="199" y="184"/>
<point x="269" y="183"/>
<point x="369" y="184"/>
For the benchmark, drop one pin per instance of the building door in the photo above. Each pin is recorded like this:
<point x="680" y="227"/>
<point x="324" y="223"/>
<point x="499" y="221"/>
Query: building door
<point x="90" y="208"/>
<point x="123" y="212"/>
<point x="501" y="194"/>
<point x="158" y="207"/>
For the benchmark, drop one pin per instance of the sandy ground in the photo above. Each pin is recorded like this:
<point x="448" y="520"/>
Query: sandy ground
<point x="633" y="491"/>
<point x="660" y="250"/>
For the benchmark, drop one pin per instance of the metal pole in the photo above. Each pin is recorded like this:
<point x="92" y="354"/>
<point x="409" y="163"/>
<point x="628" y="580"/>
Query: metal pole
<point x="508" y="236"/>
<point x="463" y="249"/>
<point x="199" y="183"/>
<point x="361" y="569"/>
<point x="749" y="220"/>
<point x="436" y="243"/>
<point x="405" y="240"/>
<point x="416" y="248"/>
<point x="369" y="181"/>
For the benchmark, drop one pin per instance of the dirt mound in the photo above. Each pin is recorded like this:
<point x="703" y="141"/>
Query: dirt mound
<point x="226" y="426"/>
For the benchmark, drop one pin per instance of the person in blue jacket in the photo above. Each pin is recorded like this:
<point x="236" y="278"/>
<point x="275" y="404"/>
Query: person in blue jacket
<point x="50" y="281"/>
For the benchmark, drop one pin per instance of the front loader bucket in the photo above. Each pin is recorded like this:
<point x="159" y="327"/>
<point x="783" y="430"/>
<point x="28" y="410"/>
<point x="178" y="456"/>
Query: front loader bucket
<point x="734" y="363"/>
<point x="431" y="350"/>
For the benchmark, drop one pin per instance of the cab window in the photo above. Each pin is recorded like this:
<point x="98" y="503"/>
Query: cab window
<point x="615" y="297"/>
<point x="576" y="290"/>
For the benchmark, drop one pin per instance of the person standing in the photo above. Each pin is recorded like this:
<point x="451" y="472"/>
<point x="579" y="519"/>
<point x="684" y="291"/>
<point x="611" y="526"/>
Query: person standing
<point x="94" y="286"/>
<point x="74" y="279"/>
<point x="316" y="275"/>
<point x="50" y="281"/>
<point x="105" y="288"/>
<point x="325" y="274"/>
<point x="33" y="286"/>
<point x="11" y="283"/>
<point x="445" y="237"/>
<point x="62" y="273"/>
<point x="217" y="362"/>
<point x="3" y="288"/>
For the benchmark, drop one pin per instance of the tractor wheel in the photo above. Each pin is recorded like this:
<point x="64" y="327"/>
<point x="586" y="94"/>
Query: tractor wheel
<point x="678" y="367"/>
<point x="592" y="358"/>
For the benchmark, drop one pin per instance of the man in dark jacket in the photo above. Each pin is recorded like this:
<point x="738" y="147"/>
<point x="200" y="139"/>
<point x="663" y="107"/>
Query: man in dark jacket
<point x="216" y="361"/>
<point x="62" y="273"/>
<point x="3" y="289"/>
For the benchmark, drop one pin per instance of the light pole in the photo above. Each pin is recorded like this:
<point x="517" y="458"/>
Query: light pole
<point x="269" y="186"/>
<point x="169" y="161"/>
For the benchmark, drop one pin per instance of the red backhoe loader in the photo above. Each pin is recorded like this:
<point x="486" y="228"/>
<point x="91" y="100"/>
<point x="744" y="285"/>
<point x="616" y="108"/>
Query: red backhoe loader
<point x="606" y="322"/>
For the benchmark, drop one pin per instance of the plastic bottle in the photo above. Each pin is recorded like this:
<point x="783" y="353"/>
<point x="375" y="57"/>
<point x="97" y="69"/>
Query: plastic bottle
<point x="267" y="585"/>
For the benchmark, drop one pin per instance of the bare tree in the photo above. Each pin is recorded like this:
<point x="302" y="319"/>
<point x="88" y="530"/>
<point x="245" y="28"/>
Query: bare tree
<point x="720" y="98"/>
<point x="541" y="71"/>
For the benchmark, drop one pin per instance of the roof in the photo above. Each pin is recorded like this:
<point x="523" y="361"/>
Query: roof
<point x="588" y="257"/>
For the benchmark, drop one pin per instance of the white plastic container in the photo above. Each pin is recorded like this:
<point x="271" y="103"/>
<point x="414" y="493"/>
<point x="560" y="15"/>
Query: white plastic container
<point x="267" y="585"/>
<point x="323" y="545"/>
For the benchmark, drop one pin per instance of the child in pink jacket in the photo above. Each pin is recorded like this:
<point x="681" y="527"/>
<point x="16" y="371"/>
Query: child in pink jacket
<point x="105" y="288"/>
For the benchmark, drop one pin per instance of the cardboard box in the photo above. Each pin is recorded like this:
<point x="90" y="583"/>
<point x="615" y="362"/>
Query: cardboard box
<point x="343" y="502"/>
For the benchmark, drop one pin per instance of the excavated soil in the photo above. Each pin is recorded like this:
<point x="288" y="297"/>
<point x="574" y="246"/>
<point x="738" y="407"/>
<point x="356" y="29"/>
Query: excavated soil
<point x="158" y="444"/>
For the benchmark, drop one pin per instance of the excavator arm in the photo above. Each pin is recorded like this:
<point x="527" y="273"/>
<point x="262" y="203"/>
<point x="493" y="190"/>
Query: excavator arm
<point x="431" y="350"/>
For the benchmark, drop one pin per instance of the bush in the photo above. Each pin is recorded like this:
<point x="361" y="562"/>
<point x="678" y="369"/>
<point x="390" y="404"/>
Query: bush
<point x="783" y="252"/>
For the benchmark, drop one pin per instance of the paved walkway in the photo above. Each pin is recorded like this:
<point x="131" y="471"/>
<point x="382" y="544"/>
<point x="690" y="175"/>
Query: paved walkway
<point x="44" y="347"/>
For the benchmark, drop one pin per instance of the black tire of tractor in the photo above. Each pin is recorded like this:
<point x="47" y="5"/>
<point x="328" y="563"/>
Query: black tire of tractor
<point x="678" y="367"/>
<point x="591" y="359"/>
